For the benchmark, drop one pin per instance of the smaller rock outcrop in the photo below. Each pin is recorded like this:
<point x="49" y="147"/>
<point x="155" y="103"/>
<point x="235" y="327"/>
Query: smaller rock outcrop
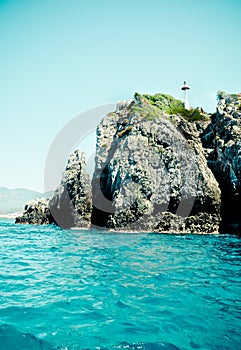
<point x="199" y="223"/>
<point x="35" y="212"/>
<point x="71" y="204"/>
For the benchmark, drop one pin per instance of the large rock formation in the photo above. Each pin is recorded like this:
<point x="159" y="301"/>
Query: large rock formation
<point x="71" y="203"/>
<point x="151" y="172"/>
<point x="159" y="167"/>
<point x="222" y="140"/>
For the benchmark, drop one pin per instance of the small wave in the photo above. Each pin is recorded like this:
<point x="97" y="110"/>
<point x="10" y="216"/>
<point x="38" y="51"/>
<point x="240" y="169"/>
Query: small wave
<point x="144" y="346"/>
<point x="12" y="339"/>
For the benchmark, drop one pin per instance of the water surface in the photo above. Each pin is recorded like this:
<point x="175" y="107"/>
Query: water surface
<point x="63" y="289"/>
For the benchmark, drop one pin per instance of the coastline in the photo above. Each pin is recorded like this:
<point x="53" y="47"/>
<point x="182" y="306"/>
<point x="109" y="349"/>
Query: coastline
<point x="10" y="215"/>
<point x="127" y="231"/>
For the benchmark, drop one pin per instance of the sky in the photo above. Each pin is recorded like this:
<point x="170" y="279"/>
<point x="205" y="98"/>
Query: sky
<point x="61" y="58"/>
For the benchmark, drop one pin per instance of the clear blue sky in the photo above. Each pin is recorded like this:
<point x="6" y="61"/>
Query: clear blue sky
<point x="61" y="57"/>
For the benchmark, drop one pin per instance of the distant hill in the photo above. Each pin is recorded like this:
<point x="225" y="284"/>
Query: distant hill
<point x="13" y="200"/>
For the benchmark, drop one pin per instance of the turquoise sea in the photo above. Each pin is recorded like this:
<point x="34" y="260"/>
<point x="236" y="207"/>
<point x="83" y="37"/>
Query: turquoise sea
<point x="75" y="290"/>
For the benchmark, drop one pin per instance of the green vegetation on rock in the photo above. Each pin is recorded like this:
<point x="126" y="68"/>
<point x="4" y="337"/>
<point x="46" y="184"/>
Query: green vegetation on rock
<point x="191" y="115"/>
<point x="146" y="110"/>
<point x="164" y="102"/>
<point x="152" y="105"/>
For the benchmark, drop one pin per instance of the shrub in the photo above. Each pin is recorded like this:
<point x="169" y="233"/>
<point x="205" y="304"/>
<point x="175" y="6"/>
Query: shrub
<point x="163" y="101"/>
<point x="153" y="105"/>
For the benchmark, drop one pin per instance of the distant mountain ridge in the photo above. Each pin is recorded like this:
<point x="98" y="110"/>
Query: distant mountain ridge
<point x="13" y="200"/>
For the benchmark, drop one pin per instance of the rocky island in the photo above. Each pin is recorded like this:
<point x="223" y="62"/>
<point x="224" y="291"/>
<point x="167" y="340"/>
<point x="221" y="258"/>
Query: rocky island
<point x="158" y="167"/>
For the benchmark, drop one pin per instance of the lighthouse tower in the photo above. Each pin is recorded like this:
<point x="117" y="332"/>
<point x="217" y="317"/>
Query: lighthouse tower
<point x="185" y="88"/>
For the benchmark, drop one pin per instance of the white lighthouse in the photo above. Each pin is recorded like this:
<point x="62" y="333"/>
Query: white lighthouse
<point x="185" y="88"/>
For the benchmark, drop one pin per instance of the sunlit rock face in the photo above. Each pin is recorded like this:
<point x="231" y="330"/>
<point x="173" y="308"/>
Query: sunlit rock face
<point x="149" y="162"/>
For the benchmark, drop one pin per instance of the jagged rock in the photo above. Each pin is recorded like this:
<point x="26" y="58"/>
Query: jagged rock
<point x="202" y="223"/>
<point x="169" y="222"/>
<point x="199" y="223"/>
<point x="222" y="138"/>
<point x="71" y="204"/>
<point x="157" y="167"/>
<point x="35" y="212"/>
<point x="149" y="162"/>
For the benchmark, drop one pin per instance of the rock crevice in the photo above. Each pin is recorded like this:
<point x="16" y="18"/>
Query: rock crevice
<point x="222" y="140"/>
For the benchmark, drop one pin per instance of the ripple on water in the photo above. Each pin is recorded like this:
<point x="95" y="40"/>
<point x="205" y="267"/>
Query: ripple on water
<point x="93" y="290"/>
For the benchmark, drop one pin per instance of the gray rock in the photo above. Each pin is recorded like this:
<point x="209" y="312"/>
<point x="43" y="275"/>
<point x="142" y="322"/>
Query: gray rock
<point x="148" y="163"/>
<point x="154" y="171"/>
<point x="35" y="212"/>
<point x="200" y="223"/>
<point x="71" y="204"/>
<point x="223" y="137"/>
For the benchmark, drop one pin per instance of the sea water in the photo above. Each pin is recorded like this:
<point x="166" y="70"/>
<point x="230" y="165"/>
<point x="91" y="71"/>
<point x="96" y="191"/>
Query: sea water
<point x="63" y="289"/>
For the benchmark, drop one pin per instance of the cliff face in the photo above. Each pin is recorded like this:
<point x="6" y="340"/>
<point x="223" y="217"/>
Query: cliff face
<point x="151" y="172"/>
<point x="158" y="168"/>
<point x="222" y="140"/>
